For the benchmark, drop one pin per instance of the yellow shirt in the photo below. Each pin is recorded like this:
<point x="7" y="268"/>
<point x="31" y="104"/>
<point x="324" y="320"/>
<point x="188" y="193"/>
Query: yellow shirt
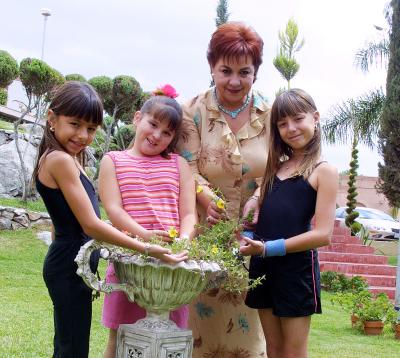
<point x="233" y="163"/>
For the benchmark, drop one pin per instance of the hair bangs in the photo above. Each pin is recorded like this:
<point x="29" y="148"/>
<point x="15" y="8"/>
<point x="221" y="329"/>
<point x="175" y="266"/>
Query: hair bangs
<point x="78" y="99"/>
<point x="291" y="103"/>
<point x="166" y="113"/>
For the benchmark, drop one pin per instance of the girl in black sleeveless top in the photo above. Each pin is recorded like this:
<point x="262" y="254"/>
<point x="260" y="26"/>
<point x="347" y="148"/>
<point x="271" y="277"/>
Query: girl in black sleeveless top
<point x="74" y="114"/>
<point x="297" y="186"/>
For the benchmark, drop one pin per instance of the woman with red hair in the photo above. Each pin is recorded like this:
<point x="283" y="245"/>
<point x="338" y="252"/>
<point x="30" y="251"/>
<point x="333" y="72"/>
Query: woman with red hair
<point x="225" y="142"/>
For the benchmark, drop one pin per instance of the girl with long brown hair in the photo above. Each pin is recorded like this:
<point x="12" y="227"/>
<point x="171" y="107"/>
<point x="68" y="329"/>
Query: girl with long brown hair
<point x="73" y="117"/>
<point x="297" y="186"/>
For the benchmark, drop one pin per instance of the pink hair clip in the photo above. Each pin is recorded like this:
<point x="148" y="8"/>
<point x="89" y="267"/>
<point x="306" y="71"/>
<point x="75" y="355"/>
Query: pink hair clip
<point x="166" y="90"/>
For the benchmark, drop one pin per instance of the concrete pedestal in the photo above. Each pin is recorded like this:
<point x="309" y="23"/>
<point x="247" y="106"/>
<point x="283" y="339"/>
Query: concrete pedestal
<point x="154" y="337"/>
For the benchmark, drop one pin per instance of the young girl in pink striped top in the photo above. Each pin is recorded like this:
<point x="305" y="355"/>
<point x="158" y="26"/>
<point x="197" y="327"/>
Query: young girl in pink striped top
<point x="148" y="191"/>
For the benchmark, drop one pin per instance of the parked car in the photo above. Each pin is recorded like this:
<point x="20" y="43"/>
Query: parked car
<point x="380" y="225"/>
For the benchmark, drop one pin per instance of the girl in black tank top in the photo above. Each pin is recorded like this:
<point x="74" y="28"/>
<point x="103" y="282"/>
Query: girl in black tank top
<point x="297" y="187"/>
<point x="74" y="114"/>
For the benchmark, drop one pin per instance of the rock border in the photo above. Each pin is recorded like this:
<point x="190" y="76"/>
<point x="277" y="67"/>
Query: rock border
<point x="19" y="218"/>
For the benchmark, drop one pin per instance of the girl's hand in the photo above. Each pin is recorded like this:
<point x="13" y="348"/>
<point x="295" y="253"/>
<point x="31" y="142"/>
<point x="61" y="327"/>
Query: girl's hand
<point x="251" y="247"/>
<point x="251" y="207"/>
<point x="214" y="213"/>
<point x="161" y="234"/>
<point x="165" y="254"/>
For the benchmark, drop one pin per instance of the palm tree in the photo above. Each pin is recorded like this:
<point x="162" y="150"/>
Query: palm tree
<point x="356" y="120"/>
<point x="376" y="52"/>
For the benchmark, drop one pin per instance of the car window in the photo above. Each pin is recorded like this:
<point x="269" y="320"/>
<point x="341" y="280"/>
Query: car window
<point x="364" y="214"/>
<point x="340" y="213"/>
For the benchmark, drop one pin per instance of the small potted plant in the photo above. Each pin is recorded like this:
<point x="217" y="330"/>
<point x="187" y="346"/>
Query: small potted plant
<point x="373" y="313"/>
<point x="393" y="318"/>
<point x="352" y="302"/>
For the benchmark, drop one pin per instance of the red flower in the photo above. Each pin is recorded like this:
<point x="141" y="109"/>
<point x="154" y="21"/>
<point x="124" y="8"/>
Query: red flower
<point x="166" y="90"/>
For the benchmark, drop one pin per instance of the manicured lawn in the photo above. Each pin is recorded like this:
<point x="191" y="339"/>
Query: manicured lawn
<point x="26" y="325"/>
<point x="32" y="205"/>
<point x="6" y="125"/>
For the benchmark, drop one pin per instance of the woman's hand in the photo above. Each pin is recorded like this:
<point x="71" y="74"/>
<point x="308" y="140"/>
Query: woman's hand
<point x="147" y="235"/>
<point x="165" y="254"/>
<point x="214" y="213"/>
<point x="251" y="247"/>
<point x="251" y="208"/>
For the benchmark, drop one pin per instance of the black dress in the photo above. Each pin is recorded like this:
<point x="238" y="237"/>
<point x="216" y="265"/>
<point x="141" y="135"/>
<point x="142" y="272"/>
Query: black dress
<point x="292" y="284"/>
<point x="72" y="299"/>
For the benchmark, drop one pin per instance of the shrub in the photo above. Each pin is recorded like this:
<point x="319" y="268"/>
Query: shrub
<point x="75" y="77"/>
<point x="3" y="96"/>
<point x="338" y="282"/>
<point x="8" y="69"/>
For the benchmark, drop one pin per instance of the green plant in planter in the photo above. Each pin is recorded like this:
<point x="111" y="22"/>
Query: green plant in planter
<point x="375" y="309"/>
<point x="352" y="302"/>
<point x="218" y="244"/>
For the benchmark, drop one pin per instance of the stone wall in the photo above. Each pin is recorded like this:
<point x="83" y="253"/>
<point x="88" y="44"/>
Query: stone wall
<point x="15" y="218"/>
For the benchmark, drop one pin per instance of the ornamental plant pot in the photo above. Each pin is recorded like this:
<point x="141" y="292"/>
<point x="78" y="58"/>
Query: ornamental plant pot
<point x="396" y="328"/>
<point x="354" y="319"/>
<point x="373" y="328"/>
<point x="156" y="286"/>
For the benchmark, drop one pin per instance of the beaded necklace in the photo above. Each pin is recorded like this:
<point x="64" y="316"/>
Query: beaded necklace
<point x="235" y="113"/>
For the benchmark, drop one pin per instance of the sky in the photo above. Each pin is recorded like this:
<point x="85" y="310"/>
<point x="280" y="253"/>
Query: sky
<point x="160" y="42"/>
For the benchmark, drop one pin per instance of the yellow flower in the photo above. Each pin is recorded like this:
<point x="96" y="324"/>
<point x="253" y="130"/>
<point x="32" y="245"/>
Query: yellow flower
<point x="214" y="249"/>
<point x="199" y="189"/>
<point x="172" y="232"/>
<point x="220" y="203"/>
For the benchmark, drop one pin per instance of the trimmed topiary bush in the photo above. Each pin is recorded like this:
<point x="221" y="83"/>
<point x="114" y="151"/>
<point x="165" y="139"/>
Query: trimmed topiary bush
<point x="8" y="69"/>
<point x="3" y="96"/>
<point x="352" y="192"/>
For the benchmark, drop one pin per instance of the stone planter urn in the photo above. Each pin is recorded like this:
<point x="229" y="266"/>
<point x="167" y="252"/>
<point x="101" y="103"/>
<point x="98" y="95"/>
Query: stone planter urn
<point x="157" y="287"/>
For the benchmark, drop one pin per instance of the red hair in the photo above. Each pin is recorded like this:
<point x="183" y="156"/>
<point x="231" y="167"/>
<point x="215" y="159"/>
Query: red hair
<point x="233" y="40"/>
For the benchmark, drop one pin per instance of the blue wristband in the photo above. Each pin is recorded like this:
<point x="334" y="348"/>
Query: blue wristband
<point x="275" y="248"/>
<point x="249" y="234"/>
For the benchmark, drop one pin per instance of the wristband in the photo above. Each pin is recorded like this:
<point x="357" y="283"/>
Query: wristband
<point x="255" y="197"/>
<point x="274" y="248"/>
<point x="249" y="234"/>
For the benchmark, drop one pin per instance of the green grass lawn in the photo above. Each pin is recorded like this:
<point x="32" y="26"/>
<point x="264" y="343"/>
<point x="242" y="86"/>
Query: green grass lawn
<point x="32" y="205"/>
<point x="6" y="125"/>
<point x="26" y="325"/>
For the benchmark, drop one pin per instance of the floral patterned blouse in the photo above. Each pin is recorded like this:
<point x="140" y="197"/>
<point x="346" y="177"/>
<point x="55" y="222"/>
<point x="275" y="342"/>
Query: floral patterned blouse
<point x="233" y="163"/>
<point x="222" y="325"/>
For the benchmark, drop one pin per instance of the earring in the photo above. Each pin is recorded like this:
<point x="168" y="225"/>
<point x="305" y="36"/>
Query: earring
<point x="52" y="129"/>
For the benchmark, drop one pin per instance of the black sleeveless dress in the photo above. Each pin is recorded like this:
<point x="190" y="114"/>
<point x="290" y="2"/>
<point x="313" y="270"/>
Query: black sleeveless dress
<point x="72" y="299"/>
<point x="292" y="284"/>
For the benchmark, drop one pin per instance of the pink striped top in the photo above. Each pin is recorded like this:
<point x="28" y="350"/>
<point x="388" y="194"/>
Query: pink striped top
<point x="149" y="188"/>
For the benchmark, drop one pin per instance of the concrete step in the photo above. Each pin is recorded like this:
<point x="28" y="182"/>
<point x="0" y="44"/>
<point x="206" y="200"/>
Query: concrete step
<point x="377" y="280"/>
<point x="351" y="257"/>
<point x="349" y="248"/>
<point x="390" y="291"/>
<point x="345" y="239"/>
<point x="341" y="231"/>
<point x="358" y="269"/>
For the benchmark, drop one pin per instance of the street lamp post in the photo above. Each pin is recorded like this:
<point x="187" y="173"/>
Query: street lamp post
<point x="46" y="13"/>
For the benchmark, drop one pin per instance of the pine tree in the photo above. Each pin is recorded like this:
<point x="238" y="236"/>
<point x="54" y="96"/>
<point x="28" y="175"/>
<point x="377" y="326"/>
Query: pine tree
<point x="285" y="61"/>
<point x="389" y="136"/>
<point x="222" y="13"/>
